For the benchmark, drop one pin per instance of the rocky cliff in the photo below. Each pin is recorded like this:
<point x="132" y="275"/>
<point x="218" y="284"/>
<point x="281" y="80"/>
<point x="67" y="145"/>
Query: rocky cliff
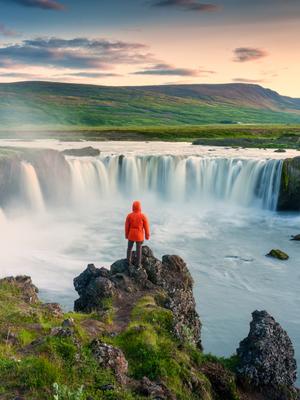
<point x="135" y="334"/>
<point x="289" y="197"/>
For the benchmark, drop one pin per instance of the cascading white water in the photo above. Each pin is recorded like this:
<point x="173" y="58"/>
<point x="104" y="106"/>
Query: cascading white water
<point x="2" y="217"/>
<point x="174" y="178"/>
<point x="31" y="189"/>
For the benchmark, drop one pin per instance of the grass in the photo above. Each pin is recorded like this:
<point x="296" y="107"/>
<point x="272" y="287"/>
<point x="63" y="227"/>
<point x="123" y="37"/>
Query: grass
<point x="269" y="135"/>
<point x="152" y="350"/>
<point x="34" y="360"/>
<point x="37" y="364"/>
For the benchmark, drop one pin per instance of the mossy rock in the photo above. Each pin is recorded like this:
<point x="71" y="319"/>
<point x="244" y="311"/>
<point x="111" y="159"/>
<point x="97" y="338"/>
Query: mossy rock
<point x="279" y="254"/>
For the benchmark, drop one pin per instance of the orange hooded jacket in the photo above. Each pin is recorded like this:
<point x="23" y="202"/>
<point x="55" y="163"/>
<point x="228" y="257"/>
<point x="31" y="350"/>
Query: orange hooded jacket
<point x="137" y="225"/>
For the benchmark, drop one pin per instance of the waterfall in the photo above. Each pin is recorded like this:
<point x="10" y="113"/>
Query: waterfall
<point x="172" y="178"/>
<point x="2" y="217"/>
<point x="30" y="187"/>
<point x="180" y="179"/>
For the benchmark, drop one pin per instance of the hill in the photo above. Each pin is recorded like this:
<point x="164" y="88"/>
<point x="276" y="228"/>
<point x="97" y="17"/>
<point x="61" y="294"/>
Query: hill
<point x="48" y="105"/>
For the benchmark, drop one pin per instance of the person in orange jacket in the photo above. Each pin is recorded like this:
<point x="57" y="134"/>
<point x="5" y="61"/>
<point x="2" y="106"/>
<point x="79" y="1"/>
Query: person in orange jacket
<point x="136" y="229"/>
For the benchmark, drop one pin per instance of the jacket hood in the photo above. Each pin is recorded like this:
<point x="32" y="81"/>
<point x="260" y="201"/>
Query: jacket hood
<point x="136" y="206"/>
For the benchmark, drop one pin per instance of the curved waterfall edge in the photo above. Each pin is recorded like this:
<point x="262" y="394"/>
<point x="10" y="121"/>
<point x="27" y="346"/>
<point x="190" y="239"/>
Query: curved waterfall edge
<point x="64" y="181"/>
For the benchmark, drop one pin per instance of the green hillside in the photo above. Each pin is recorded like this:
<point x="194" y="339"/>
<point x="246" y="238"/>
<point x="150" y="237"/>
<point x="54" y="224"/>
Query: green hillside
<point x="45" y="105"/>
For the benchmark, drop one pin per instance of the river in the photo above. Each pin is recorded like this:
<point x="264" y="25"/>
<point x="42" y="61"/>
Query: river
<point x="214" y="207"/>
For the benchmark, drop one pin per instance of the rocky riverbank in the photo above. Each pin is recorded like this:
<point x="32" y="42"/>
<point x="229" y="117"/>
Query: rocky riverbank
<point x="135" y="334"/>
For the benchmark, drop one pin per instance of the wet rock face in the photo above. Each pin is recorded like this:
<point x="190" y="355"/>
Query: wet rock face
<point x="111" y="357"/>
<point x="289" y="197"/>
<point x="267" y="360"/>
<point x="28" y="291"/>
<point x="169" y="276"/>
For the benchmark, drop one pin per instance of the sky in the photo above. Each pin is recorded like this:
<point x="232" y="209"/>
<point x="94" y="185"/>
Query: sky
<point x="150" y="42"/>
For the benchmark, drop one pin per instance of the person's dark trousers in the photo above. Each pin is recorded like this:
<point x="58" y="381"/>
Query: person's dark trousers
<point x="138" y="252"/>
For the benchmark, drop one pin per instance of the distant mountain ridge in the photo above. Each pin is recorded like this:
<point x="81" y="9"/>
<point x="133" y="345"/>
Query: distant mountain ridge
<point x="67" y="104"/>
<point x="233" y="93"/>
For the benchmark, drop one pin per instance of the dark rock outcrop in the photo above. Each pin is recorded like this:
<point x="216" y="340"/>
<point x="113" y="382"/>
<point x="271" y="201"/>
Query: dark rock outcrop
<point x="28" y="291"/>
<point x="83" y="152"/>
<point x="279" y="254"/>
<point x="289" y="196"/>
<point x="93" y="286"/>
<point x="266" y="359"/>
<point x="169" y="277"/>
<point x="296" y="238"/>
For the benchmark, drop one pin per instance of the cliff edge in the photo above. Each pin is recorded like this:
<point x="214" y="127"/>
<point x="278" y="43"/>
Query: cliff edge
<point x="135" y="334"/>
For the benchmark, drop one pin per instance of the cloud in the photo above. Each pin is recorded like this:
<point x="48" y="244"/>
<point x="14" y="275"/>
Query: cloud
<point x="7" y="32"/>
<point x="94" y="75"/>
<point x="187" y="5"/>
<point x="77" y="53"/>
<point x="19" y="75"/>
<point x="166" y="69"/>
<point x="244" y="54"/>
<point x="43" y="4"/>
<point x="244" y="80"/>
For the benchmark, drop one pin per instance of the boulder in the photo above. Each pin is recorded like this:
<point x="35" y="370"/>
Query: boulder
<point x="93" y="285"/>
<point x="266" y="359"/>
<point x="112" y="358"/>
<point x="279" y="254"/>
<point x="280" y="151"/>
<point x="83" y="152"/>
<point x="289" y="195"/>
